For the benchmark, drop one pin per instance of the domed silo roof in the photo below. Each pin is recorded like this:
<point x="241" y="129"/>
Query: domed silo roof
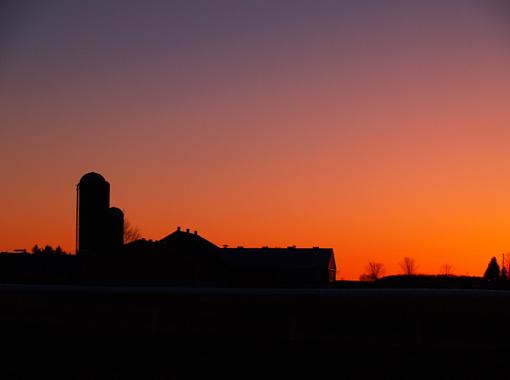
<point x="92" y="178"/>
<point x="116" y="212"/>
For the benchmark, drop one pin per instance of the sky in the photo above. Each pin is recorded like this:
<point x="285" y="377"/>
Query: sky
<point x="378" y="128"/>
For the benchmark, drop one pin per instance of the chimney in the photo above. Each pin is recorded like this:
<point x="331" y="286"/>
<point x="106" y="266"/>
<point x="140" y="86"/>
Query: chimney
<point x="187" y="230"/>
<point x="195" y="232"/>
<point x="179" y="228"/>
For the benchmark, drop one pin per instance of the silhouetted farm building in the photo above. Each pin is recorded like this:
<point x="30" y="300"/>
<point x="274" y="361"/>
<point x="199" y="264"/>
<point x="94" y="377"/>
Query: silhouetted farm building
<point x="183" y="258"/>
<point x="99" y="227"/>
<point x="190" y="254"/>
<point x="307" y="267"/>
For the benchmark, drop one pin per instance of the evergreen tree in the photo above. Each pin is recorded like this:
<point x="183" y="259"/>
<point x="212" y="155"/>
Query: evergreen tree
<point x="48" y="250"/>
<point x="492" y="272"/>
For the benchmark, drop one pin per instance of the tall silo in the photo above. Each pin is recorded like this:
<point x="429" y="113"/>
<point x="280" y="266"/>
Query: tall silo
<point x="92" y="214"/>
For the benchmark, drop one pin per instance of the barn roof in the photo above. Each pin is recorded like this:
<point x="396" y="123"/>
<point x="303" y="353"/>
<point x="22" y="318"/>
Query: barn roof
<point x="186" y="240"/>
<point x="280" y="257"/>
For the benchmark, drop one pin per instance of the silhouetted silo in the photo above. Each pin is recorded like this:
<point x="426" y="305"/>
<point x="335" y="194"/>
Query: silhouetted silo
<point x="116" y="228"/>
<point x="92" y="214"/>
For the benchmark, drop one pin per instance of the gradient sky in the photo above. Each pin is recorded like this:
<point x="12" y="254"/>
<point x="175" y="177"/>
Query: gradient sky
<point x="378" y="128"/>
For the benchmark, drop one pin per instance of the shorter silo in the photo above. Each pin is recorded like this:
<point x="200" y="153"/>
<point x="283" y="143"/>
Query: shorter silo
<point x="115" y="228"/>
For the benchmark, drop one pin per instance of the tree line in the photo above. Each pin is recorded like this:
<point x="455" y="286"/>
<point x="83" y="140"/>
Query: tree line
<point x="375" y="270"/>
<point x="494" y="272"/>
<point x="48" y="250"/>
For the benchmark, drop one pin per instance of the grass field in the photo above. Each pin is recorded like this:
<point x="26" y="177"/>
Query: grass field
<point x="123" y="332"/>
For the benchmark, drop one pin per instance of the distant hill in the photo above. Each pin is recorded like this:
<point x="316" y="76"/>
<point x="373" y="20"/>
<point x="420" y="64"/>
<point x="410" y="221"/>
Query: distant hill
<point x="432" y="281"/>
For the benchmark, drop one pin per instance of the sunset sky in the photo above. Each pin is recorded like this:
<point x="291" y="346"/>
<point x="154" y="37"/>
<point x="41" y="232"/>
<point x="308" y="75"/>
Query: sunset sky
<point x="378" y="128"/>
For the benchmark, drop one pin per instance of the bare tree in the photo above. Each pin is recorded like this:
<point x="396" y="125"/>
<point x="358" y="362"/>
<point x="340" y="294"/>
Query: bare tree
<point x="504" y="273"/>
<point x="505" y="266"/>
<point x="131" y="233"/>
<point x="446" y="270"/>
<point x="408" y="266"/>
<point x="374" y="272"/>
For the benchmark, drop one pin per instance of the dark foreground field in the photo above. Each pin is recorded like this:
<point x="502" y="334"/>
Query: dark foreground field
<point x="102" y="332"/>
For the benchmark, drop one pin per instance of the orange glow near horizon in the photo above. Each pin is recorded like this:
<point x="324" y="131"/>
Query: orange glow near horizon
<point x="380" y="141"/>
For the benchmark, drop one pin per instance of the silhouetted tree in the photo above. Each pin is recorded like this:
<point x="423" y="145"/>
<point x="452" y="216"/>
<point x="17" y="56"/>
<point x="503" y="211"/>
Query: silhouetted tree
<point x="492" y="272"/>
<point x="374" y="272"/>
<point x="408" y="266"/>
<point x="48" y="250"/>
<point x="446" y="270"/>
<point x="504" y="268"/>
<point x="131" y="233"/>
